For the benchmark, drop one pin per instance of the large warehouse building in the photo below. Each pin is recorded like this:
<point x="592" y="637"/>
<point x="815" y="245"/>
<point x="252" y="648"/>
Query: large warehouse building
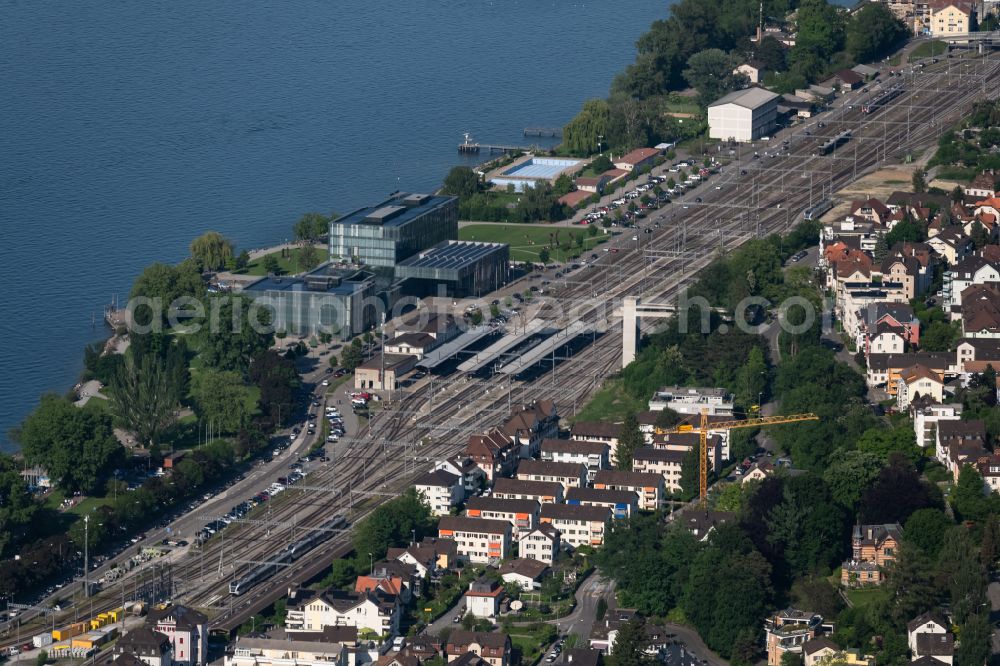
<point x="463" y="268"/>
<point x="387" y="233"/>
<point x="743" y="115"/>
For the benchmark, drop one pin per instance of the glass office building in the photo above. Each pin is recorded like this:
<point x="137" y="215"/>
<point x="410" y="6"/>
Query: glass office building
<point x="454" y="268"/>
<point x="387" y="233"/>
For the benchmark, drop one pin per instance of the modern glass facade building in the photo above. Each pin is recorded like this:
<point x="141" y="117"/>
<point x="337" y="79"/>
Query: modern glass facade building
<point x="462" y="268"/>
<point x="327" y="300"/>
<point x="387" y="233"/>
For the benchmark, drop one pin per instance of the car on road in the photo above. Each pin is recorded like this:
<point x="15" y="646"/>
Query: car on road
<point x="325" y="382"/>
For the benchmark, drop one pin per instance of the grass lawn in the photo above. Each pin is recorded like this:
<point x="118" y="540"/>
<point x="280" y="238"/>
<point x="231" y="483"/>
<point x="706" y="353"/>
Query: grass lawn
<point x="864" y="597"/>
<point x="289" y="265"/>
<point x="928" y="50"/>
<point x="611" y="403"/>
<point x="895" y="60"/>
<point x="526" y="241"/>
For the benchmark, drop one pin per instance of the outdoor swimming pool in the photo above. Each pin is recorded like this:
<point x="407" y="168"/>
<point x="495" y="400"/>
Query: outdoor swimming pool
<point x="541" y="167"/>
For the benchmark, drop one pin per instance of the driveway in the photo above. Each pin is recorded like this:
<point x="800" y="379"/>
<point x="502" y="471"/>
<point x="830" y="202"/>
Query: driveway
<point x="581" y="620"/>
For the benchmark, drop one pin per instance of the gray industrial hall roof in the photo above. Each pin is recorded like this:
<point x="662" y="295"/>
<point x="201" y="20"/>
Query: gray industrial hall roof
<point x="396" y="211"/>
<point x="750" y="98"/>
<point x="452" y="254"/>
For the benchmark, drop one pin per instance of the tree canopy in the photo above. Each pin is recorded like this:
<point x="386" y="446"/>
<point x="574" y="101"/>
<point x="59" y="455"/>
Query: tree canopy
<point x="872" y="32"/>
<point x="711" y="73"/>
<point x="211" y="251"/>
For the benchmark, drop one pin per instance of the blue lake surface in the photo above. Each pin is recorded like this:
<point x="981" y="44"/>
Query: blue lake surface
<point x="129" y="128"/>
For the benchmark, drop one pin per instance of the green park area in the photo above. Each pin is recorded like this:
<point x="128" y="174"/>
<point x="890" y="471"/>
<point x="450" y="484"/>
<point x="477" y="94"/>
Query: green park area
<point x="289" y="261"/>
<point x="528" y="242"/>
<point x="929" y="50"/>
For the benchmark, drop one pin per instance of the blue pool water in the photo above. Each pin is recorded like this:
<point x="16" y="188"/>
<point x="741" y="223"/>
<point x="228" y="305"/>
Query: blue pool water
<point x="541" y="167"/>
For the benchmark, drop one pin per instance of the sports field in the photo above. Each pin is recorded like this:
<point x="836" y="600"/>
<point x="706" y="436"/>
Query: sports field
<point x="526" y="241"/>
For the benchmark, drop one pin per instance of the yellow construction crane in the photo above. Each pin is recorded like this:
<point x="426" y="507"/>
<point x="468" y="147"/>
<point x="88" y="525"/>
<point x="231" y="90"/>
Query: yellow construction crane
<point x="727" y="425"/>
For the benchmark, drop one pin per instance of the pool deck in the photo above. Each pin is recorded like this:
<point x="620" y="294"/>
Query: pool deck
<point x="542" y="173"/>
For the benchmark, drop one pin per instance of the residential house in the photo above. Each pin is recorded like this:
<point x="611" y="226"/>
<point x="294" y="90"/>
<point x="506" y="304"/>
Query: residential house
<point x="896" y="316"/>
<point x="817" y="649"/>
<point x="937" y="646"/>
<point x="413" y="344"/>
<point x="529" y="424"/>
<point x="598" y="431"/>
<point x="950" y="17"/>
<point x="259" y="651"/>
<point x="494" y="648"/>
<point x="604" y="633"/>
<point x="693" y="400"/>
<point x="872" y="548"/>
<point x="526" y="573"/>
<point x="187" y="630"/>
<point x="915" y="381"/>
<point x="584" y="656"/>
<point x="494" y="453"/>
<point x="441" y="491"/>
<point x="853" y="298"/>
<point x="346" y="636"/>
<point x="578" y="525"/>
<point x="650" y="487"/>
<point x="522" y="514"/>
<point x="985" y="185"/>
<point x="390" y="577"/>
<point x="542" y="491"/>
<point x="928" y="623"/>
<point x="989" y="469"/>
<point x="473" y="476"/>
<point x="592" y="184"/>
<point x="953" y="244"/>
<point x="665" y="462"/>
<point x="428" y="556"/>
<point x="623" y="503"/>
<point x="146" y="645"/>
<point x="701" y="522"/>
<point x="926" y="418"/>
<point x="540" y="544"/>
<point x="483" y="597"/>
<point x="752" y="69"/>
<point x="375" y="611"/>
<point x="981" y="311"/>
<point x="640" y="158"/>
<point x="870" y="209"/>
<point x="788" y="631"/>
<point x="960" y="443"/>
<point x="758" y="471"/>
<point x="592" y="455"/>
<point x="979" y="267"/>
<point x="884" y="338"/>
<point x="570" y="475"/>
<point x="479" y="540"/>
<point x="884" y="369"/>
<point x="909" y="265"/>
<point x="717" y="446"/>
<point x="975" y="354"/>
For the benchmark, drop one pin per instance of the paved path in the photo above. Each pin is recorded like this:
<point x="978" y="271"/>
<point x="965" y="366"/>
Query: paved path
<point x="695" y="646"/>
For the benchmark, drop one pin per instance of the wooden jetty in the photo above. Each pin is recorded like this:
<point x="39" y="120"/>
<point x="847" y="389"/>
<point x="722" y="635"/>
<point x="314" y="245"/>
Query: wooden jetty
<point x="470" y="146"/>
<point x="553" y="132"/>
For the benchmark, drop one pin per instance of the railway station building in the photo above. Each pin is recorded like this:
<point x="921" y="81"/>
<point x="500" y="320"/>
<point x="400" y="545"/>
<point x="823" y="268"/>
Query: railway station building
<point x="461" y="269"/>
<point x="743" y="115"/>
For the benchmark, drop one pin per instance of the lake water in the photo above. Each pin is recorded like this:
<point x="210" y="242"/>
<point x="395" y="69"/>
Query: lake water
<point x="129" y="128"/>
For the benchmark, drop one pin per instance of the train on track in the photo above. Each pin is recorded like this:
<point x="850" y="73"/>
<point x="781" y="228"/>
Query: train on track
<point x="814" y="212"/>
<point x="286" y="556"/>
<point x="828" y="147"/>
<point x="881" y="98"/>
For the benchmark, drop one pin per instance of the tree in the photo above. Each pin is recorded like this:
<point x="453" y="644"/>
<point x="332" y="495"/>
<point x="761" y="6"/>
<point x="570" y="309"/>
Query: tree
<point x="221" y="398"/>
<point x="629" y="648"/>
<point x="975" y="645"/>
<point x="979" y="235"/>
<point x="919" y="176"/>
<point x="960" y="572"/>
<point x="241" y="334"/>
<point x="18" y="508"/>
<point x="752" y="379"/>
<point x="849" y="474"/>
<point x="277" y="380"/>
<point x="969" y="499"/>
<point x="271" y="265"/>
<point x="711" y="73"/>
<point x="166" y="284"/>
<point x="461" y="181"/>
<point x="543" y="255"/>
<point x="957" y="194"/>
<point x="881" y="248"/>
<point x="820" y="31"/>
<point x="629" y="440"/>
<point x="392" y="524"/>
<point x="581" y="134"/>
<point x="601" y="163"/>
<point x="144" y="394"/>
<point x="351" y="357"/>
<point x="211" y="251"/>
<point x="76" y="446"/>
<point x="925" y="529"/>
<point x="940" y="336"/>
<point x="882" y="442"/>
<point x="771" y="54"/>
<point x="896" y="493"/>
<point x="311" y="227"/>
<point x="308" y="258"/>
<point x="873" y="32"/>
<point x="242" y="261"/>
